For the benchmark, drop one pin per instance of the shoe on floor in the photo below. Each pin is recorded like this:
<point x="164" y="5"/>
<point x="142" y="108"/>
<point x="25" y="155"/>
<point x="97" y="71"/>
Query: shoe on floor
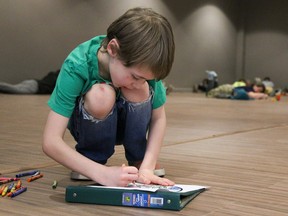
<point x="77" y="176"/>
<point x="158" y="171"/>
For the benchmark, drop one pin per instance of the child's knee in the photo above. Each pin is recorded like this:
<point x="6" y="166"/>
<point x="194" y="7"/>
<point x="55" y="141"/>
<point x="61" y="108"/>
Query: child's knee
<point x="100" y="100"/>
<point x="136" y="95"/>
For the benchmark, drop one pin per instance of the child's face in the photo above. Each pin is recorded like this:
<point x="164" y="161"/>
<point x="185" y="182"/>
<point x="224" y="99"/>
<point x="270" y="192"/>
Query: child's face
<point x="128" y="77"/>
<point x="258" y="89"/>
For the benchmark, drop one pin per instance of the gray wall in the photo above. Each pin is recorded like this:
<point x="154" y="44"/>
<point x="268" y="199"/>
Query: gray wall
<point x="236" y="38"/>
<point x="266" y="40"/>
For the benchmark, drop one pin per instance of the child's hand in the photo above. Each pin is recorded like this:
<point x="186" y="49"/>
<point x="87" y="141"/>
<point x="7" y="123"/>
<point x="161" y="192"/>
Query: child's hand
<point x="121" y="176"/>
<point x="147" y="177"/>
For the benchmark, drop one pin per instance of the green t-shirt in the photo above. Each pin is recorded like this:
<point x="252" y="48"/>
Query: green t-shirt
<point x="79" y="72"/>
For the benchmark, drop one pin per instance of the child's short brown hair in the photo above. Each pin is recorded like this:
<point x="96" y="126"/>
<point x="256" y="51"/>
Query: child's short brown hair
<point x="145" y="38"/>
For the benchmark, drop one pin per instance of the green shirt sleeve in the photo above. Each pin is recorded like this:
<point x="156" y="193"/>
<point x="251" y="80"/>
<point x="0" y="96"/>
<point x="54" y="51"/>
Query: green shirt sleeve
<point x="159" y="98"/>
<point x="78" y="73"/>
<point x="69" y="86"/>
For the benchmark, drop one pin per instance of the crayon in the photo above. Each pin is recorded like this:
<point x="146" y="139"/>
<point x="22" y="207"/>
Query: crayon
<point x="4" y="178"/>
<point x="4" y="192"/>
<point x="10" y="187"/>
<point x="9" y="194"/>
<point x="8" y="180"/>
<point x="37" y="173"/>
<point x="32" y="178"/>
<point x="30" y="173"/>
<point x="19" y="191"/>
<point x="13" y="188"/>
<point x="18" y="185"/>
<point x="4" y="182"/>
<point x="54" y="185"/>
<point x="12" y="191"/>
<point x="2" y="188"/>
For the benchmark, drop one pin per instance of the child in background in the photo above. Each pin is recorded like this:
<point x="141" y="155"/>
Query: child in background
<point x="228" y="91"/>
<point x="109" y="91"/>
<point x="269" y="85"/>
<point x="256" y="91"/>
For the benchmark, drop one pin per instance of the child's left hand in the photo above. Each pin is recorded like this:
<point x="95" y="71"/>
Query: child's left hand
<point x="147" y="177"/>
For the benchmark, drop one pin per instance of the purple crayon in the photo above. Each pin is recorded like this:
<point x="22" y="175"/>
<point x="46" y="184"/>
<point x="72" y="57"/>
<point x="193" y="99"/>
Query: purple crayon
<point x="19" y="191"/>
<point x="10" y="187"/>
<point x="27" y="173"/>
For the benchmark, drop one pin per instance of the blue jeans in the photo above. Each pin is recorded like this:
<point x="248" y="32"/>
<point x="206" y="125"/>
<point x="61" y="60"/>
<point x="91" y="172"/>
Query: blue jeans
<point x="240" y="94"/>
<point x="127" y="124"/>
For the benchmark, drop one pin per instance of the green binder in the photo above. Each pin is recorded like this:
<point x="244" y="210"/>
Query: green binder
<point x="160" y="198"/>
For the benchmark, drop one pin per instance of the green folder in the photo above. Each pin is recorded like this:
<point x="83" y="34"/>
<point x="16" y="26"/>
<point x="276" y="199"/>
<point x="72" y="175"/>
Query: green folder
<point x="161" y="198"/>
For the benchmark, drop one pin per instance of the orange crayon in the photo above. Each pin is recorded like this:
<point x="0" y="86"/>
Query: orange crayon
<point x="32" y="178"/>
<point x="18" y="185"/>
<point x="9" y="194"/>
<point x="2" y="188"/>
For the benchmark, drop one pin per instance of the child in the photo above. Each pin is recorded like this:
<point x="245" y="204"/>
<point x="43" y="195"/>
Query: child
<point x="109" y="92"/>
<point x="256" y="91"/>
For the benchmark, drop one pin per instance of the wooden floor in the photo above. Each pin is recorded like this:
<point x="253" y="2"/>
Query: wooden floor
<point x="238" y="148"/>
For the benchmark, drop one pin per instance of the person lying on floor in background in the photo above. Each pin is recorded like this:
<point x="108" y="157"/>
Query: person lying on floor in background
<point x="269" y="85"/>
<point x="240" y="83"/>
<point x="208" y="83"/>
<point x="32" y="86"/>
<point x="256" y="91"/>
<point x="228" y="91"/>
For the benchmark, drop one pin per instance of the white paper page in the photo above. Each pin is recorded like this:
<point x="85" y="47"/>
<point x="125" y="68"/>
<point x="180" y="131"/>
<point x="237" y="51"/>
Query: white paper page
<point x="152" y="188"/>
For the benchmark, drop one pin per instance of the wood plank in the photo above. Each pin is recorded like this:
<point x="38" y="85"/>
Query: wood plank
<point x="238" y="148"/>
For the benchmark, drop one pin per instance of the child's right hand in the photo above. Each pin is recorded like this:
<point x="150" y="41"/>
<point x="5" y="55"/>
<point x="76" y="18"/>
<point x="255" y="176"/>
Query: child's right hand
<point x="120" y="176"/>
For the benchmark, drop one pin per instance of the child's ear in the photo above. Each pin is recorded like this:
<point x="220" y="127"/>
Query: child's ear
<point x="113" y="47"/>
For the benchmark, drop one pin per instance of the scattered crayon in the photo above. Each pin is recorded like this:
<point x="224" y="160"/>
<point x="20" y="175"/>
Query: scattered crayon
<point x="9" y="194"/>
<point x="4" y="192"/>
<point x="19" y="191"/>
<point x="36" y="173"/>
<point x="18" y="185"/>
<point x="4" y="182"/>
<point x="54" y="185"/>
<point x="16" y="188"/>
<point x="10" y="187"/>
<point x="8" y="180"/>
<point x="32" y="178"/>
<point x="13" y="188"/>
<point x="4" y="178"/>
<point x="2" y="188"/>
<point x="30" y="173"/>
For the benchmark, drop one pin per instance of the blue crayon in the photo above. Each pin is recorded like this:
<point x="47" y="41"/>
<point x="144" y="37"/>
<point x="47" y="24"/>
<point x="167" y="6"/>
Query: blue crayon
<point x="10" y="187"/>
<point x="27" y="173"/>
<point x="19" y="191"/>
